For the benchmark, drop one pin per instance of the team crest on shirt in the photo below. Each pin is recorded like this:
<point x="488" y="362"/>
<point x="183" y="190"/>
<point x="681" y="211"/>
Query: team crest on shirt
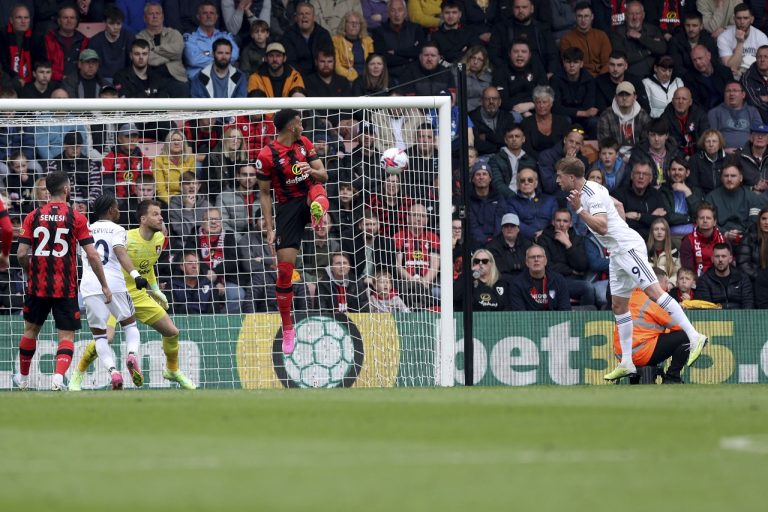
<point x="259" y="165"/>
<point x="500" y="290"/>
<point x="158" y="249"/>
<point x="206" y="288"/>
<point x="303" y="151"/>
<point x="552" y="294"/>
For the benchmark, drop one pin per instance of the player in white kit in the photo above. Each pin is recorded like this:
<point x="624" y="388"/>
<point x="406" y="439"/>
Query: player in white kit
<point x="628" y="264"/>
<point x="109" y="240"/>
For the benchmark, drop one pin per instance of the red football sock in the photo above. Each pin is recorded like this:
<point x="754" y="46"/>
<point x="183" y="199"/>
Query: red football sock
<point x="317" y="193"/>
<point x="64" y="356"/>
<point x="27" y="347"/>
<point x="284" y="293"/>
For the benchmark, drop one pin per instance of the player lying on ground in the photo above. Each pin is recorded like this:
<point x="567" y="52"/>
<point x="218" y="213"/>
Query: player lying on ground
<point x="47" y="253"/>
<point x="290" y="165"/>
<point x="143" y="246"/>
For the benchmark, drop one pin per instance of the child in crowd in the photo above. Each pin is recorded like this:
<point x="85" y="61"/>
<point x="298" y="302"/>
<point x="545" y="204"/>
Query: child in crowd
<point x="611" y="163"/>
<point x="42" y="86"/>
<point x="384" y="298"/>
<point x="19" y="184"/>
<point x="255" y="50"/>
<point x="686" y="285"/>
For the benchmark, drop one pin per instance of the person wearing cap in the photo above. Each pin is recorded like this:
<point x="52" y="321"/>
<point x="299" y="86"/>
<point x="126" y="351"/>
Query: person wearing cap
<point x="739" y="42"/>
<point x="113" y="43"/>
<point x="64" y="57"/>
<point x="661" y="85"/>
<point x="486" y="206"/>
<point x="139" y="80"/>
<point x="642" y="42"/>
<point x="87" y="82"/>
<point x="198" y="47"/>
<point x="84" y="172"/>
<point x="126" y="161"/>
<point x="508" y="248"/>
<point x="625" y="121"/>
<point x="219" y="79"/>
<point x="166" y="50"/>
<point x="304" y="39"/>
<point x="274" y="78"/>
<point x="754" y="164"/>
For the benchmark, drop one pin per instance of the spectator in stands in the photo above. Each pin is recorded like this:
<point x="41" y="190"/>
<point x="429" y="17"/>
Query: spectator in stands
<point x="611" y="164"/>
<point x="16" y="139"/>
<point x="142" y="188"/>
<point x="42" y="86"/>
<point x="383" y="298"/>
<point x="753" y="159"/>
<point x="217" y="251"/>
<point x="566" y="255"/>
<point x="543" y="129"/>
<point x="661" y="85"/>
<point x="422" y="162"/>
<point x="87" y="81"/>
<point x="569" y="146"/>
<point x="16" y="47"/>
<point x="752" y="253"/>
<point x="518" y="78"/>
<point x="696" y="248"/>
<point x="686" y="121"/>
<point x="490" y="122"/>
<point x="486" y="206"/>
<point x="598" y="267"/>
<point x="254" y="51"/>
<point x="391" y="205"/>
<point x="575" y="91"/>
<point x="240" y="15"/>
<point x="346" y="210"/>
<point x="707" y="79"/>
<point x="417" y="259"/>
<point x="19" y="184"/>
<point x="661" y="253"/>
<point x="352" y="46"/>
<point x="737" y="206"/>
<point x="683" y="42"/>
<point x="316" y="255"/>
<point x="166" y="50"/>
<point x="490" y="290"/>
<point x="733" y="118"/>
<point x="375" y="12"/>
<point x="49" y="139"/>
<point x="681" y="198"/>
<point x="84" y="172"/>
<point x="222" y="162"/>
<point x="755" y="80"/>
<point x="686" y="285"/>
<point x="198" y="45"/>
<point x="425" y="13"/>
<point x="724" y="284"/>
<point x="452" y="36"/>
<point x="175" y="159"/>
<point x="62" y="46"/>
<point x="642" y="202"/>
<point x="659" y="149"/>
<point x="192" y="293"/>
<point x="304" y="39"/>
<point x="186" y="210"/>
<point x="371" y="252"/>
<point x="534" y="210"/>
<point x="707" y="163"/>
<point x="538" y="288"/>
<point x="593" y="43"/>
<point x="506" y="163"/>
<point x="126" y="161"/>
<point x="399" y="40"/>
<point x="641" y="42"/>
<point x="257" y="129"/>
<point x="326" y="81"/>
<point x="427" y="77"/>
<point x="606" y="83"/>
<point x="239" y="204"/>
<point x="339" y="290"/>
<point x="625" y="121"/>
<point x="374" y="79"/>
<point x="522" y="25"/>
<point x="508" y="248"/>
<point x="739" y="42"/>
<point x="219" y="79"/>
<point x="717" y="15"/>
<point x="478" y="73"/>
<point x="275" y="78"/>
<point x="112" y="44"/>
<point x="139" y="80"/>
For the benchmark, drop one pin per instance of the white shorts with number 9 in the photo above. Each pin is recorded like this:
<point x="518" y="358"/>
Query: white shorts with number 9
<point x="98" y="313"/>
<point x="630" y="270"/>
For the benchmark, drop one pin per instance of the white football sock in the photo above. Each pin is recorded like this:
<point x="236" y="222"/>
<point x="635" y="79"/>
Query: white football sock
<point x="679" y="317"/>
<point x="106" y="356"/>
<point x="131" y="338"/>
<point x="624" y="325"/>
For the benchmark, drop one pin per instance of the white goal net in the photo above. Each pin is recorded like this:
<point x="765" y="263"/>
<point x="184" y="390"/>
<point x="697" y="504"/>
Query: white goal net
<point x="373" y="300"/>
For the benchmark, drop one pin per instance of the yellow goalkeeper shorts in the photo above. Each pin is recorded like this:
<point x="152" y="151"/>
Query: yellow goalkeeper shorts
<point x="147" y="310"/>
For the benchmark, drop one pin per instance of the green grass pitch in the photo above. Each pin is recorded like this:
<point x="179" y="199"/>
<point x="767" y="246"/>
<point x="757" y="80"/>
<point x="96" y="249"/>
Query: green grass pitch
<point x="698" y="448"/>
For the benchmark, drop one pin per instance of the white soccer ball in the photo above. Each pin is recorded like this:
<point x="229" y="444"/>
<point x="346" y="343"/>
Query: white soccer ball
<point x="324" y="354"/>
<point x="394" y="161"/>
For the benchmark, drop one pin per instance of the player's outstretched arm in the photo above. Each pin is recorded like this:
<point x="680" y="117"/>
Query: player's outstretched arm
<point x="95" y="260"/>
<point x="125" y="261"/>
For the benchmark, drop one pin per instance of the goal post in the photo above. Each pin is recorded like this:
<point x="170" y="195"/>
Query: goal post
<point x="422" y="347"/>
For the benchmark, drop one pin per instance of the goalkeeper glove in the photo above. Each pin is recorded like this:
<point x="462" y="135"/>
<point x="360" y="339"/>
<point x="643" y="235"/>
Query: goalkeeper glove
<point x="159" y="297"/>
<point x="141" y="282"/>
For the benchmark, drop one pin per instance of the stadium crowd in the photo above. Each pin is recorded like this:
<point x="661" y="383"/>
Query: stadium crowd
<point x="666" y="103"/>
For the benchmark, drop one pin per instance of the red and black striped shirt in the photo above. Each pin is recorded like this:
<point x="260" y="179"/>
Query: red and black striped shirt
<point x="277" y="163"/>
<point x="52" y="232"/>
<point x="6" y="230"/>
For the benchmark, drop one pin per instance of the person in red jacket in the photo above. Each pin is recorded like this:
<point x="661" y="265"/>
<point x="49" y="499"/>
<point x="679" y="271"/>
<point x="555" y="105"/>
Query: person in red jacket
<point x="6" y="237"/>
<point x="126" y="161"/>
<point x="63" y="45"/>
<point x="696" y="248"/>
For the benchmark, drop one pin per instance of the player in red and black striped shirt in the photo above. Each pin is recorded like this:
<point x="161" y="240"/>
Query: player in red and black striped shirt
<point x="6" y="237"/>
<point x="290" y="166"/>
<point x="48" y="253"/>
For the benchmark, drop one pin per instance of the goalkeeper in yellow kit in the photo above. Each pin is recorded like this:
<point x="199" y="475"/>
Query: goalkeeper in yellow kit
<point x="143" y="246"/>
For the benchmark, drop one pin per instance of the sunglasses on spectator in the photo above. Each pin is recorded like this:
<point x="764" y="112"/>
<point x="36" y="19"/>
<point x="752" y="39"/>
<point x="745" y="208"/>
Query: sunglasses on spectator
<point x="578" y="130"/>
<point x="480" y="261"/>
<point x="527" y="180"/>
